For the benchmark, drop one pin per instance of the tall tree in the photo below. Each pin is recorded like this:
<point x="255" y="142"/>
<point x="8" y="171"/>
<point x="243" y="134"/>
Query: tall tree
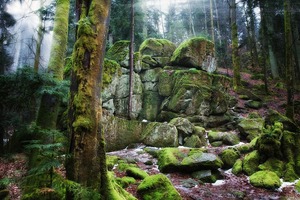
<point x="87" y="162"/>
<point x="131" y="60"/>
<point x="48" y="111"/>
<point x="235" y="54"/>
<point x="212" y="28"/>
<point x="289" y="60"/>
<point x="251" y="32"/>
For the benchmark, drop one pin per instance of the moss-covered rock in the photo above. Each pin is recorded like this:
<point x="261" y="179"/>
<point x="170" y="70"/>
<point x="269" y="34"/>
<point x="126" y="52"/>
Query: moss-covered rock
<point x="228" y="138"/>
<point x="183" y="125"/>
<point x="207" y="176"/>
<point x="136" y="173"/>
<point x="157" y="187"/>
<point x="265" y="179"/>
<point x="110" y="69"/>
<point x="186" y="160"/>
<point x="125" y="181"/>
<point x="251" y="162"/>
<point x="194" y="142"/>
<point x="274" y="165"/>
<point x="254" y="104"/>
<point x="151" y="105"/>
<point x="237" y="168"/>
<point x="119" y="52"/>
<point x="111" y="161"/>
<point x="121" y="132"/>
<point x="251" y="127"/>
<point x="165" y="84"/>
<point x="160" y="135"/>
<point x="229" y="157"/>
<point x="193" y="53"/>
<point x="157" y="47"/>
<point x="274" y="116"/>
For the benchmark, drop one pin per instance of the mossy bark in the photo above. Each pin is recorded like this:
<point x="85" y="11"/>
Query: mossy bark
<point x="86" y="163"/>
<point x="48" y="111"/>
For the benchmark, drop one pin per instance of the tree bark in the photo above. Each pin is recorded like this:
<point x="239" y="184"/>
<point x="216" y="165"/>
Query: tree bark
<point x="235" y="56"/>
<point x="289" y="60"/>
<point x="84" y="164"/>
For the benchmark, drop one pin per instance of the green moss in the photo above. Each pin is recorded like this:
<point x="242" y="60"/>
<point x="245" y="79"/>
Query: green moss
<point x="169" y="159"/>
<point x="297" y="186"/>
<point x="194" y="142"/>
<point x="274" y="165"/>
<point x="136" y="173"/>
<point x="237" y="167"/>
<point x="110" y="69"/>
<point x="229" y="157"/>
<point x="119" y="51"/>
<point x="157" y="47"/>
<point x="165" y="83"/>
<point x="251" y="162"/>
<point x="111" y="161"/>
<point x="196" y="49"/>
<point x="290" y="174"/>
<point x="158" y="187"/>
<point x="265" y="179"/>
<point x="125" y="181"/>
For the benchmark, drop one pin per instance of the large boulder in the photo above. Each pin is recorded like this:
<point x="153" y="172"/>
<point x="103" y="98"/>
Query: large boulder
<point x="160" y="135"/>
<point x="265" y="179"/>
<point x="119" y="52"/>
<point x="195" y="53"/>
<point x="156" y="52"/>
<point x="157" y="47"/>
<point x="186" y="160"/>
<point x="251" y="127"/>
<point x="119" y="133"/>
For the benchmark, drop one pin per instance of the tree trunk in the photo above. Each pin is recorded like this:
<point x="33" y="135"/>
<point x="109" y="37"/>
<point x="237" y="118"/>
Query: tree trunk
<point x="252" y="38"/>
<point x="85" y="164"/>
<point x="296" y="38"/>
<point x="235" y="56"/>
<point x="131" y="61"/>
<point x="289" y="60"/>
<point x="264" y="45"/>
<point x="212" y="21"/>
<point x="270" y="45"/>
<point x="48" y="111"/>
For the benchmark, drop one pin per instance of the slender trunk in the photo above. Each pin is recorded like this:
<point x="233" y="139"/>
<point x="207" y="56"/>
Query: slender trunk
<point x="251" y="33"/>
<point x="191" y="22"/>
<point x="37" y="56"/>
<point x="85" y="110"/>
<point x="218" y="22"/>
<point x="264" y="45"/>
<point x="235" y="56"/>
<point x="270" y="33"/>
<point x="289" y="60"/>
<point x="205" y="17"/>
<point x="296" y="39"/>
<point x="131" y="61"/>
<point x="212" y="22"/>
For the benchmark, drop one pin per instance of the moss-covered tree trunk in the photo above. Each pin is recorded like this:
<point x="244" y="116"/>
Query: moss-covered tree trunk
<point x="49" y="107"/>
<point x="289" y="60"/>
<point x="84" y="164"/>
<point x="235" y="43"/>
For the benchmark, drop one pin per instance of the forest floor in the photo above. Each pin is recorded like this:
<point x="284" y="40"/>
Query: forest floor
<point x="13" y="168"/>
